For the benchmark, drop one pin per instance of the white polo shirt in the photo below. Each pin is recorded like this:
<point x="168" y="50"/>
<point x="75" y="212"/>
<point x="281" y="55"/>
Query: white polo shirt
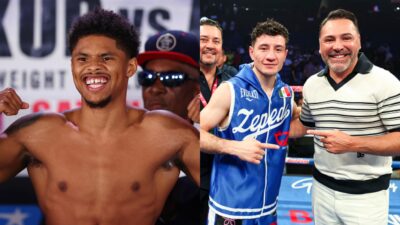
<point x="366" y="103"/>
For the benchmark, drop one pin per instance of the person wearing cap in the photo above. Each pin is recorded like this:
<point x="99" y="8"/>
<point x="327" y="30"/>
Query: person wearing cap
<point x="210" y="78"/>
<point x="169" y="81"/>
<point x="170" y="74"/>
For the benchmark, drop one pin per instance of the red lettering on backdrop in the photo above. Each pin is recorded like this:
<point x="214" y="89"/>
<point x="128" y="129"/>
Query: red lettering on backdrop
<point x="135" y="103"/>
<point x="63" y="106"/>
<point x="40" y="106"/>
<point x="299" y="216"/>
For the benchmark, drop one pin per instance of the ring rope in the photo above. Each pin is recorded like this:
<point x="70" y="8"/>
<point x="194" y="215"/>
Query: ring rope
<point x="310" y="161"/>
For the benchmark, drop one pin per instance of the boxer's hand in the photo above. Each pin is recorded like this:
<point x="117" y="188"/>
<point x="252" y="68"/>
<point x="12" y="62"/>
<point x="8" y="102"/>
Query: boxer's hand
<point x="251" y="150"/>
<point x="10" y="102"/>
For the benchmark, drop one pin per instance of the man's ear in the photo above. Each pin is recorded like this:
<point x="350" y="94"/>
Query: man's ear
<point x="251" y="52"/>
<point x="132" y="67"/>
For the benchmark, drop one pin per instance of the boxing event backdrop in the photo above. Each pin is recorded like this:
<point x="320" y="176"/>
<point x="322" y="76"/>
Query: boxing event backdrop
<point x="34" y="59"/>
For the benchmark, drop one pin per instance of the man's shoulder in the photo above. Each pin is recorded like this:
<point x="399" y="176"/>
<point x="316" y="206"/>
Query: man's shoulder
<point x="35" y="121"/>
<point x="164" y="121"/>
<point x="227" y="72"/>
<point x="164" y="116"/>
<point x="382" y="74"/>
<point x="315" y="78"/>
<point x="160" y="117"/>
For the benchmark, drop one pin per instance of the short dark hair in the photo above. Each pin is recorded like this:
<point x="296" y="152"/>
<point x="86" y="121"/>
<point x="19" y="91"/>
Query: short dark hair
<point x="269" y="27"/>
<point x="340" y="14"/>
<point x="207" y="21"/>
<point x="109" y="24"/>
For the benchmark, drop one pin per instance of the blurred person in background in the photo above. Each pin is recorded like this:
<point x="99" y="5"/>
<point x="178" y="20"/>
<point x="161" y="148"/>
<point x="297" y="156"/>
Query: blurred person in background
<point x="169" y="81"/>
<point x="170" y="74"/>
<point x="223" y="66"/>
<point x="210" y="78"/>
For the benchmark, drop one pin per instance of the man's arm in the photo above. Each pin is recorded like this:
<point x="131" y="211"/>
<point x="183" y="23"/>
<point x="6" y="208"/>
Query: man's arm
<point x="215" y="113"/>
<point x="337" y="142"/>
<point x="297" y="129"/>
<point x="190" y="156"/>
<point x="12" y="155"/>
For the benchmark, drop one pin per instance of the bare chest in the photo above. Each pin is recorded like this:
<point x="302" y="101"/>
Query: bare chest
<point x="100" y="168"/>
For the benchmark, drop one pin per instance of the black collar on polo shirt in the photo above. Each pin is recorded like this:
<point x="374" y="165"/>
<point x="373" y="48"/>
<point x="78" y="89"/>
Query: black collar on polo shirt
<point x="363" y="66"/>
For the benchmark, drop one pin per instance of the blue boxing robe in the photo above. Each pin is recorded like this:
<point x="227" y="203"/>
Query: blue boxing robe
<point x="243" y="190"/>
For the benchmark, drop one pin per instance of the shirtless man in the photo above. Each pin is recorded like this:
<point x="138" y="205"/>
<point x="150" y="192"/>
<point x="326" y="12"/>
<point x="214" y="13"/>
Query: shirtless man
<point x="102" y="164"/>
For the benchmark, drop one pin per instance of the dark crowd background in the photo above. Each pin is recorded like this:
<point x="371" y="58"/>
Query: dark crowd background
<point x="379" y="22"/>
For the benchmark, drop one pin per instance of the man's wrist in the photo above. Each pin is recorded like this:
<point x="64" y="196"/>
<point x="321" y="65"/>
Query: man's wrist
<point x="225" y="146"/>
<point x="357" y="144"/>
